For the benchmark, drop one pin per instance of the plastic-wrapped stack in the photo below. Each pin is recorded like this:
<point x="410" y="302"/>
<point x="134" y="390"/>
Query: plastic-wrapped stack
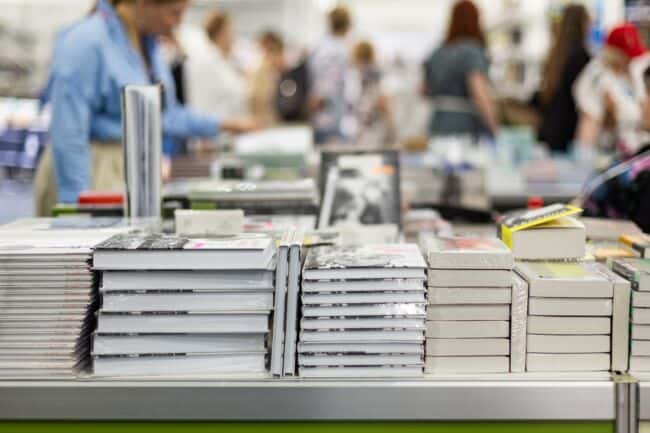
<point x="637" y="271"/>
<point x="577" y="317"/>
<point x="178" y="306"/>
<point x="470" y="294"/>
<point x="363" y="312"/>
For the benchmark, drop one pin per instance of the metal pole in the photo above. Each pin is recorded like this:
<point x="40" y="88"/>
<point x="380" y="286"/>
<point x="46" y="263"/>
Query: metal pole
<point x="142" y="137"/>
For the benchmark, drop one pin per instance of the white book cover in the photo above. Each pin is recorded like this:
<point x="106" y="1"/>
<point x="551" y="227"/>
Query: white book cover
<point x="640" y="332"/>
<point x="361" y="348"/>
<point x="518" y="323"/>
<point x="364" y="262"/>
<point x="466" y="295"/>
<point x="362" y="336"/>
<point x="640" y="299"/>
<point x="544" y="362"/>
<point x="468" y="312"/>
<point x="641" y="316"/>
<point x="466" y="364"/>
<point x="179" y="365"/>
<point x="640" y="348"/>
<point x="182" y="323"/>
<point x="563" y="238"/>
<point x="620" y="322"/>
<point x="469" y="278"/>
<point x="465" y="252"/>
<point x="186" y="301"/>
<point x="363" y="323"/>
<point x="639" y="363"/>
<point x="381" y="310"/>
<point x="635" y="270"/>
<point x="357" y="372"/>
<point x="187" y="280"/>
<point x="468" y="329"/>
<point x="358" y="360"/>
<point x="569" y="307"/>
<point x="293" y="300"/>
<point x="569" y="325"/>
<point x="363" y="298"/>
<point x="566" y="279"/>
<point x="569" y="344"/>
<point x="467" y="346"/>
<point x="392" y="285"/>
<point x="178" y="343"/>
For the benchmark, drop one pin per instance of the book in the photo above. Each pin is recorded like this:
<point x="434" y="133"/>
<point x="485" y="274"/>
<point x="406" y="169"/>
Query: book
<point x="570" y="307"/>
<point x="309" y="360"/>
<point x="639" y="363"/>
<point x="357" y="372"/>
<point x="364" y="262"/>
<point x="569" y="344"/>
<point x="466" y="364"/>
<point x="362" y="323"/>
<point x="465" y="252"/>
<point x="208" y="223"/>
<point x="638" y="242"/>
<point x="640" y="332"/>
<point x="281" y="279"/>
<point x="545" y="234"/>
<point x="231" y="322"/>
<point x="184" y="364"/>
<point x="640" y="299"/>
<point x="605" y="229"/>
<point x="121" y="344"/>
<point x="635" y="270"/>
<point x="620" y="322"/>
<point x="468" y="295"/>
<point x="188" y="280"/>
<point x="363" y="298"/>
<point x="641" y="316"/>
<point x="468" y="312"/>
<point x="518" y="324"/>
<point x="467" y="346"/>
<point x="569" y="325"/>
<point x="566" y="280"/>
<point x="293" y="300"/>
<point x="381" y="310"/>
<point x="468" y="278"/>
<point x="360" y="348"/>
<point x="186" y="301"/>
<point x="545" y="362"/>
<point x="362" y="336"/>
<point x="468" y="329"/>
<point x="164" y="252"/>
<point x="388" y="285"/>
<point x="640" y="348"/>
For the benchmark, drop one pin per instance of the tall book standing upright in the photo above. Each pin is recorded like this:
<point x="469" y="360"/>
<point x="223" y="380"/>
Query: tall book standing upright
<point x="363" y="312"/>
<point x="293" y="303"/>
<point x="179" y="329"/>
<point x="637" y="272"/>
<point x="470" y="294"/>
<point x="279" y="311"/>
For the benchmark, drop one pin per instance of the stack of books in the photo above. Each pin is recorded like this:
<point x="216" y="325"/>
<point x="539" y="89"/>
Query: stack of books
<point x="470" y="294"/>
<point x="363" y="312"/>
<point x="48" y="295"/>
<point x="175" y="306"/>
<point x="577" y="317"/>
<point x="637" y="271"/>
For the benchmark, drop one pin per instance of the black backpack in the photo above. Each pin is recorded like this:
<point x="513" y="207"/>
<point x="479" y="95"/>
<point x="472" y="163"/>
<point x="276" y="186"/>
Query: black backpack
<point x="293" y="92"/>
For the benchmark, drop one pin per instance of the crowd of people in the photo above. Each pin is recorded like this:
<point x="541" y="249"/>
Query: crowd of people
<point x="583" y="101"/>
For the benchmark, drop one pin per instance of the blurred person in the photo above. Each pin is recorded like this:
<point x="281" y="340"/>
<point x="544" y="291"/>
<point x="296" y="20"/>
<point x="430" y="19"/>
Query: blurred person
<point x="455" y="77"/>
<point x="215" y="83"/>
<point x="606" y="97"/>
<point x="566" y="59"/>
<point x="115" y="46"/>
<point x="264" y="81"/>
<point x="328" y="65"/>
<point x="370" y="120"/>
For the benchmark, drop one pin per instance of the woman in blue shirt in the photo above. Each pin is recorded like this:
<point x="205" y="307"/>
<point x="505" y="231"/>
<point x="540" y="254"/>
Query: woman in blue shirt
<point x="114" y="46"/>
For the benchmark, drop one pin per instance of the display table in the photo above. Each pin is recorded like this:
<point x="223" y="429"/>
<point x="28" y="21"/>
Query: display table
<point x="504" y="403"/>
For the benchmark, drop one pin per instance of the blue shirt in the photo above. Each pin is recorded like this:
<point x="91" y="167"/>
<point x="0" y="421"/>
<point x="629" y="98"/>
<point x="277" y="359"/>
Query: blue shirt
<point x="95" y="60"/>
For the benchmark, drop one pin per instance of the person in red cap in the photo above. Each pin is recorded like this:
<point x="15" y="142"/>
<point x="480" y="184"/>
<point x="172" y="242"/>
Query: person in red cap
<point x="610" y="105"/>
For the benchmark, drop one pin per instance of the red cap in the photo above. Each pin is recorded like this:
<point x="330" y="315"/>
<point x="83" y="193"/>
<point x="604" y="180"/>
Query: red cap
<point x="535" y="202"/>
<point x="626" y="38"/>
